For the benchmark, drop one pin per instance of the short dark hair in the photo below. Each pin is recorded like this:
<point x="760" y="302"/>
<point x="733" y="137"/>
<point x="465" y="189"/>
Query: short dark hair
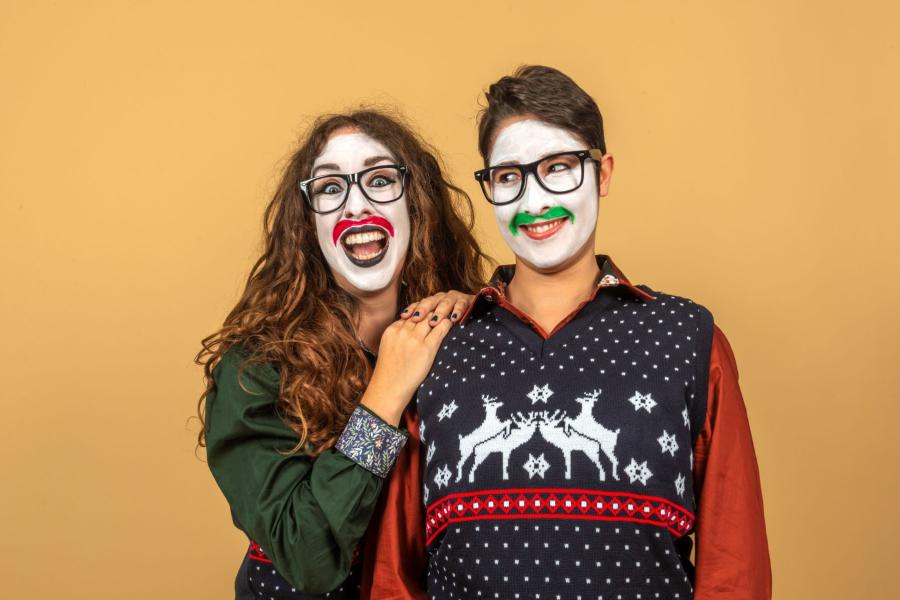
<point x="548" y="94"/>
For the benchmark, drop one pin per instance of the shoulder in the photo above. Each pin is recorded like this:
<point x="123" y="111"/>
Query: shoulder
<point x="239" y="366"/>
<point x="672" y="306"/>
<point x="681" y="314"/>
<point x="244" y="387"/>
<point x="473" y="328"/>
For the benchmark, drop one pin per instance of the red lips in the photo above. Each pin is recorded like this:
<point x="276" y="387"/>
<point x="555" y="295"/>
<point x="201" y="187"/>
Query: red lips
<point x="345" y="224"/>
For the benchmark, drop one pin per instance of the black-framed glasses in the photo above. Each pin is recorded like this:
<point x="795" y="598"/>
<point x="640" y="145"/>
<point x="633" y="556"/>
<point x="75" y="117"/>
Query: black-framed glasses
<point x="558" y="173"/>
<point x="380" y="184"/>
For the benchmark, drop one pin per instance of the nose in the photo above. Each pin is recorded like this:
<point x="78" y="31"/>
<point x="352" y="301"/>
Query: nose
<point x="356" y="205"/>
<point x="535" y="200"/>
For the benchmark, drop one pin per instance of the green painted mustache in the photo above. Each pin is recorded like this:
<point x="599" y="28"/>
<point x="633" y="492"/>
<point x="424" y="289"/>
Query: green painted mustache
<point x="521" y="218"/>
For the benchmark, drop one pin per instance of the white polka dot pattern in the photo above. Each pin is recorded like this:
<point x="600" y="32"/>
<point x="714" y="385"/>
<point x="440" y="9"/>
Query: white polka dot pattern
<point x="258" y="579"/>
<point x="542" y="454"/>
<point x="558" y="560"/>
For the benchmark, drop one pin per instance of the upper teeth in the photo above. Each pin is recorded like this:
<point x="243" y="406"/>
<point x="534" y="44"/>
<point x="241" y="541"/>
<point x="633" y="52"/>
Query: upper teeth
<point x="362" y="238"/>
<point x="543" y="226"/>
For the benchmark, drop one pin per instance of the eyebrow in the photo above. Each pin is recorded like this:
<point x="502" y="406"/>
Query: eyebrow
<point x="542" y="157"/>
<point x="377" y="159"/>
<point x="368" y="163"/>
<point x="329" y="166"/>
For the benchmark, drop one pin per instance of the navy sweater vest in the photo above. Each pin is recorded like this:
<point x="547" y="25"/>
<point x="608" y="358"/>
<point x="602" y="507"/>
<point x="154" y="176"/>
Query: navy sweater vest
<point x="562" y="468"/>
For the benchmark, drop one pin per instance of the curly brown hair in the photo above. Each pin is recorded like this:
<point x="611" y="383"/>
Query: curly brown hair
<point x="292" y="312"/>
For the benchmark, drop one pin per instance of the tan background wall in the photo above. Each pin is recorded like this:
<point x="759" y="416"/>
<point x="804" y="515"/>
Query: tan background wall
<point x="757" y="172"/>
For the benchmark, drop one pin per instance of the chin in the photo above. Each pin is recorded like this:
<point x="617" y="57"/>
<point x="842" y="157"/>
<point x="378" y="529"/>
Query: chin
<point x="370" y="279"/>
<point x="547" y="256"/>
<point x="368" y="283"/>
<point x="546" y="267"/>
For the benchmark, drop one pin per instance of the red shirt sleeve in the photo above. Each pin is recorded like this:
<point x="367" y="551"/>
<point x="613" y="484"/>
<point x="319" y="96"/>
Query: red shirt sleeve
<point x="732" y="552"/>
<point x="394" y="559"/>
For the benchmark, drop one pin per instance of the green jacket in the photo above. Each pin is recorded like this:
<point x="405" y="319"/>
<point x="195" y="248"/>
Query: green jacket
<point x="308" y="515"/>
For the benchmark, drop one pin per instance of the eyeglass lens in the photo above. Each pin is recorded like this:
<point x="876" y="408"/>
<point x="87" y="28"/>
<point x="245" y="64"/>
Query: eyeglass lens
<point x="383" y="184"/>
<point x="558" y="174"/>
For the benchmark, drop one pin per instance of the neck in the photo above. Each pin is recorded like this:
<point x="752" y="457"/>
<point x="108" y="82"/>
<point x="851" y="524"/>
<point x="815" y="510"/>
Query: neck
<point x="549" y="296"/>
<point x="377" y="310"/>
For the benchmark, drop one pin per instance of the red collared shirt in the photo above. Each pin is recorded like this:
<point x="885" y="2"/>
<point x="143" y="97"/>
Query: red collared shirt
<point x="732" y="554"/>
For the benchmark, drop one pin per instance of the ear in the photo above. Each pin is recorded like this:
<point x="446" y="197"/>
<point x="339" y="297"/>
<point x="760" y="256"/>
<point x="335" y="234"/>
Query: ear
<point x="606" y="168"/>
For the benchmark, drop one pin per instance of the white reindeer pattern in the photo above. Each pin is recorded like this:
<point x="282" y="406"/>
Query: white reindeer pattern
<point x="490" y="428"/>
<point x="505" y="444"/>
<point x="582" y="434"/>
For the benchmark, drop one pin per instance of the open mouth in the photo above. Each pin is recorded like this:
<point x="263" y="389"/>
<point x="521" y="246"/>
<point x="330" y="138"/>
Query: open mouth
<point x="365" y="245"/>
<point x="541" y="230"/>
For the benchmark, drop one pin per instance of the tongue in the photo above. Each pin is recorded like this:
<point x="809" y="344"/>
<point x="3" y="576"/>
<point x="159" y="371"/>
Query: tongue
<point x="367" y="248"/>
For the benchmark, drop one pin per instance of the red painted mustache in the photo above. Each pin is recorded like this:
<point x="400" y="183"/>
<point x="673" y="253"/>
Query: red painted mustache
<point x="345" y="224"/>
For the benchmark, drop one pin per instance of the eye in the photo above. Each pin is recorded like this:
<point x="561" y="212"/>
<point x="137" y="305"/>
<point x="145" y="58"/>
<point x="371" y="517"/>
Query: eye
<point x="380" y="181"/>
<point x="328" y="186"/>
<point x="505" y="176"/>
<point x="381" y="178"/>
<point x="558" y="166"/>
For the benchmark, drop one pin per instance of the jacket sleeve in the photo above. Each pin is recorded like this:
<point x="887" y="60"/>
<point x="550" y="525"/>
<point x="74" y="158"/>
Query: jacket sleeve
<point x="307" y="515"/>
<point x="732" y="554"/>
<point x="397" y="569"/>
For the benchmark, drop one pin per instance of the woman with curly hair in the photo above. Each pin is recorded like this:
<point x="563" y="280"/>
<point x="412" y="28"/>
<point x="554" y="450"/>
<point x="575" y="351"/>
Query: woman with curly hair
<point x="301" y="424"/>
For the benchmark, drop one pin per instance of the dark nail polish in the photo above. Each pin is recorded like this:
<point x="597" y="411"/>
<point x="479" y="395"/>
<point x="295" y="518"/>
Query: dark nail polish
<point x="453" y="316"/>
<point x="434" y="318"/>
<point x="416" y="314"/>
<point x="405" y="310"/>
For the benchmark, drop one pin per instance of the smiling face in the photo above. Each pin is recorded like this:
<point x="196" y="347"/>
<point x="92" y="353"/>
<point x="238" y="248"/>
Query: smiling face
<point x="542" y="228"/>
<point x="364" y="243"/>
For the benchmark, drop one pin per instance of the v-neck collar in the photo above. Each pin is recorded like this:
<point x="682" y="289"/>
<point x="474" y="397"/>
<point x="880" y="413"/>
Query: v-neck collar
<point x="611" y="278"/>
<point x="575" y="324"/>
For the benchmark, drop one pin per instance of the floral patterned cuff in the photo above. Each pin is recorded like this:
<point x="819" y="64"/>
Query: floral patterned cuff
<point x="370" y="442"/>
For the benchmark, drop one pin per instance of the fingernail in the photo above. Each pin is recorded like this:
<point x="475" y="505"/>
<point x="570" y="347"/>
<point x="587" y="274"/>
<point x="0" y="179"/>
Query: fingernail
<point x="405" y="310"/>
<point x="453" y="316"/>
<point x="416" y="314"/>
<point x="434" y="318"/>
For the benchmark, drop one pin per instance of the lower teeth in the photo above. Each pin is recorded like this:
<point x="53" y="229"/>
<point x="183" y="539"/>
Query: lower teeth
<point x="365" y="256"/>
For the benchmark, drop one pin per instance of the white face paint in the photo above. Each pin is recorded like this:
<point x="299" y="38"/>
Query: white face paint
<point x="365" y="242"/>
<point x="545" y="243"/>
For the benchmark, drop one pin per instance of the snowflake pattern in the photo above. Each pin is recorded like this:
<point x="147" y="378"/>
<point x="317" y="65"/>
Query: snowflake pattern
<point x="644" y="401"/>
<point x="442" y="477"/>
<point x="430" y="454"/>
<point x="668" y="443"/>
<point x="540" y="394"/>
<point x="536" y="466"/>
<point x="422" y="430"/>
<point x="638" y="472"/>
<point x="447" y="410"/>
<point x="425" y="494"/>
<point x="649" y="349"/>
